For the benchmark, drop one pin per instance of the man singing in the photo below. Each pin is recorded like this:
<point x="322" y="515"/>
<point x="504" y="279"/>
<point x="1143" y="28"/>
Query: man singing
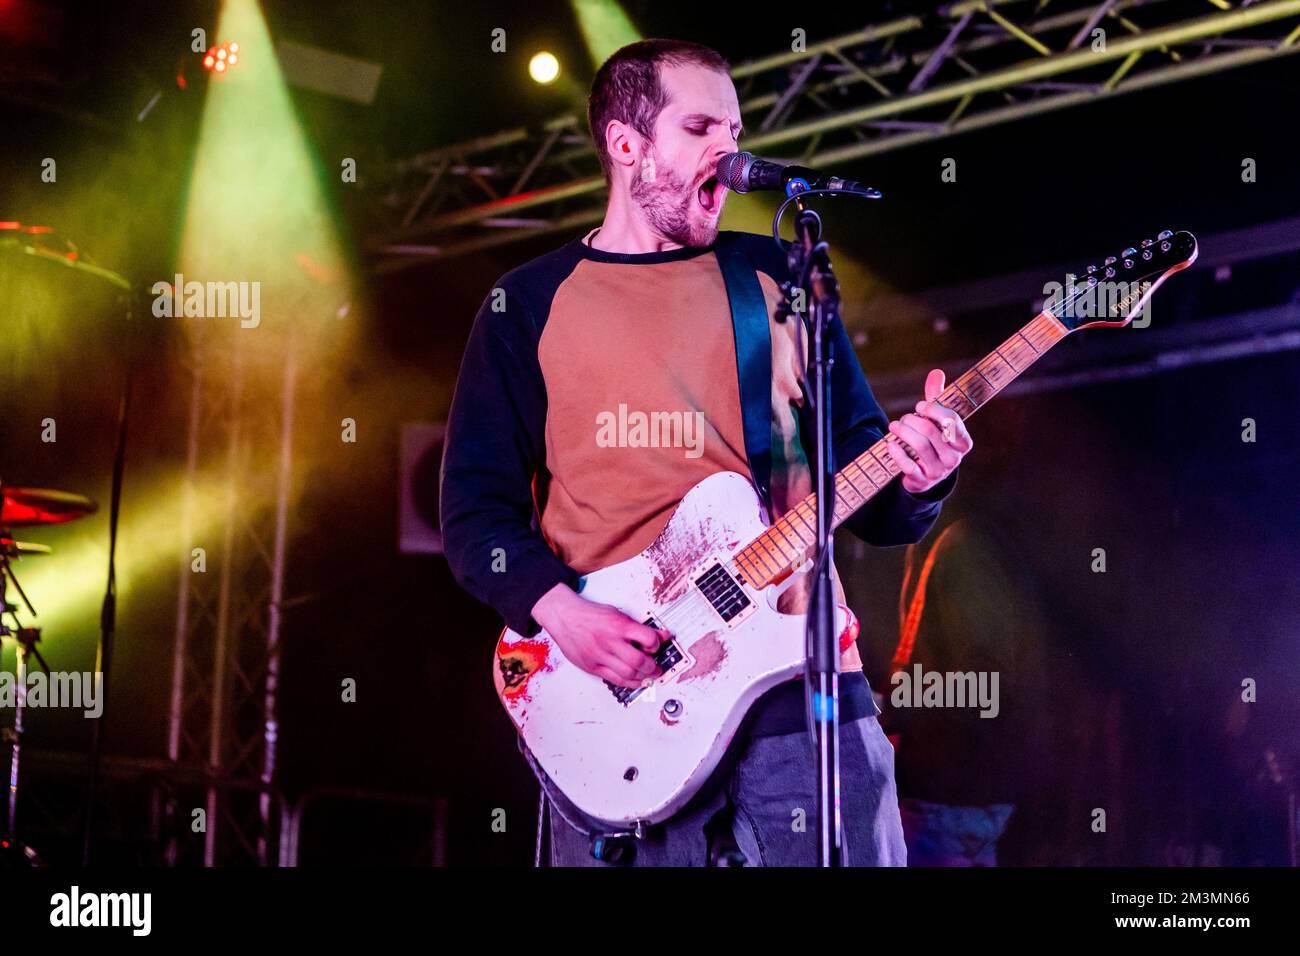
<point x="636" y="315"/>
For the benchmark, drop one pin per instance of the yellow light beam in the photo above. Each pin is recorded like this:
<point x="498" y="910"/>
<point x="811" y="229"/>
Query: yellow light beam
<point x="605" y="27"/>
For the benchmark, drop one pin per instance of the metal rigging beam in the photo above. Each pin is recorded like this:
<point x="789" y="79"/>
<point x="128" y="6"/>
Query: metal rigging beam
<point x="974" y="76"/>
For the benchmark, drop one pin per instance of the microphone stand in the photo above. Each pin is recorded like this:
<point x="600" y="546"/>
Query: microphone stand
<point x="810" y="267"/>
<point x="108" y="609"/>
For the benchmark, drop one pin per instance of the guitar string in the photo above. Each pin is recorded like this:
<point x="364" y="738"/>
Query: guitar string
<point x="753" y="552"/>
<point x="1036" y="327"/>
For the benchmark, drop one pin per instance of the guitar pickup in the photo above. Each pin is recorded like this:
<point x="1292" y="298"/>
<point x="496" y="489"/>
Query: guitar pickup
<point x="668" y="656"/>
<point x="723" y="593"/>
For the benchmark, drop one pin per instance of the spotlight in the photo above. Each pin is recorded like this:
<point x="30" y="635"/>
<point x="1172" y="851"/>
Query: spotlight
<point x="220" y="57"/>
<point x="544" y="67"/>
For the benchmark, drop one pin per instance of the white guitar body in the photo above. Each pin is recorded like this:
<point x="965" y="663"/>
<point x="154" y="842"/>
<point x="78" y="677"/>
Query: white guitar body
<point x="643" y="759"/>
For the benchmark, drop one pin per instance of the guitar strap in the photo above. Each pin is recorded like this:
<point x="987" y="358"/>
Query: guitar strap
<point x="749" y="322"/>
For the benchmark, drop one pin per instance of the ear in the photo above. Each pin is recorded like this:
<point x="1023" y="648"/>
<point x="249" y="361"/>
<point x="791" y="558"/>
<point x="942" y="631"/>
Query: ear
<point x="622" y="144"/>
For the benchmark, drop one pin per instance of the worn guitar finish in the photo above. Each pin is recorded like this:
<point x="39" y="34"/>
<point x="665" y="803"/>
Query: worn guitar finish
<point x="712" y="579"/>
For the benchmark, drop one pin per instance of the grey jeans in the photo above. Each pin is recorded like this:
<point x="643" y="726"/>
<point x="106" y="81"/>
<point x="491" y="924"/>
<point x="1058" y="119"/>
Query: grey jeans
<point x="764" y="791"/>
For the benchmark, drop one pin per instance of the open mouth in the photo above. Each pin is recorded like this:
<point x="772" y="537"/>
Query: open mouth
<point x="709" y="196"/>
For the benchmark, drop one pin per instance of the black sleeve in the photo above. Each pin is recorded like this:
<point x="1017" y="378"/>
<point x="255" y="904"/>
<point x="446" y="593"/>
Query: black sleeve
<point x="893" y="515"/>
<point x="495" y="444"/>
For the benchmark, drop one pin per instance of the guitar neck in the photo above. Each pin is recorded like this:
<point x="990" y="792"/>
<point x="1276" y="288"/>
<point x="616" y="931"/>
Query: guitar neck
<point x="788" y="542"/>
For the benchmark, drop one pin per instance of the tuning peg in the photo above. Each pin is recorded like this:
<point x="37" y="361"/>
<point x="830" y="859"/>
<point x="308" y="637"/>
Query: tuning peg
<point x="1145" y="243"/>
<point x="1110" y="260"/>
<point x="1091" y="270"/>
<point x="1166" y="234"/>
<point x="1130" y="251"/>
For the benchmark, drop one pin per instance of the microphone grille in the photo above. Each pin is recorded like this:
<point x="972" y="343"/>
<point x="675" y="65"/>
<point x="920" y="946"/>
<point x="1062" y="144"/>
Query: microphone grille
<point x="733" y="171"/>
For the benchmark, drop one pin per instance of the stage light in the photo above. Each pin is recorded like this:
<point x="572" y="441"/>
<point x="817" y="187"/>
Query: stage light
<point x="238" y="226"/>
<point x="220" y="57"/>
<point x="544" y="67"/>
<point x="255" y="189"/>
<point x="605" y="27"/>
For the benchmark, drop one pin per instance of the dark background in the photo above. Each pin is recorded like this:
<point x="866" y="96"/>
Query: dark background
<point x="1119" y="690"/>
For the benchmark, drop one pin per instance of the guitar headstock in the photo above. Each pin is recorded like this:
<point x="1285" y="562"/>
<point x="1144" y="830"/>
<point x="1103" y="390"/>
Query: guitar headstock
<point x="1111" y="293"/>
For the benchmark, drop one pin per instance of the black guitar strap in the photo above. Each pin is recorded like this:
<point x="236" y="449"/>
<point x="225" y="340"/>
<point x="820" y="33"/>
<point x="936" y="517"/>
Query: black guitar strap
<point x="749" y="322"/>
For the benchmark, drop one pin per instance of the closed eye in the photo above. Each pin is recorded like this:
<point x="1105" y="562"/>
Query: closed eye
<point x="698" y="129"/>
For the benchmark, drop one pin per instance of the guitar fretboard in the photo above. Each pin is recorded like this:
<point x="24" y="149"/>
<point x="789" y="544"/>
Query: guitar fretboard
<point x="791" y="539"/>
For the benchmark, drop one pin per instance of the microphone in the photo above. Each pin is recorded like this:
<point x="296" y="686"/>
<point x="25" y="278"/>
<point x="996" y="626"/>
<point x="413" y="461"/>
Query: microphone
<point x="745" y="172"/>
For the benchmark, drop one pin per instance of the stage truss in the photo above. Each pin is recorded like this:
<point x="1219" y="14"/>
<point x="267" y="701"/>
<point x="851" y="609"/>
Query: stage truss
<point x="226" y="664"/>
<point x="969" y="66"/>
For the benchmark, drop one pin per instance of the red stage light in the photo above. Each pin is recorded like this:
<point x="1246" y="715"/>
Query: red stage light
<point x="221" y="56"/>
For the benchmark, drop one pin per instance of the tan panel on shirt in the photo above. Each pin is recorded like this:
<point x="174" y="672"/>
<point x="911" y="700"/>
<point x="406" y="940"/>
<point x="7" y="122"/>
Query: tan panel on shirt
<point x="654" y="339"/>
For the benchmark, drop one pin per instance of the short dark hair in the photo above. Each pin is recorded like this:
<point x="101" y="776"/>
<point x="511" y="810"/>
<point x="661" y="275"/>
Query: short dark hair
<point x="627" y="87"/>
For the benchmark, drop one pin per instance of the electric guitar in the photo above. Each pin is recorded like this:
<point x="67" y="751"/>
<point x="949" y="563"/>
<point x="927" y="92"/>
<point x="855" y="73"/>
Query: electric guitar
<point x="712" y="578"/>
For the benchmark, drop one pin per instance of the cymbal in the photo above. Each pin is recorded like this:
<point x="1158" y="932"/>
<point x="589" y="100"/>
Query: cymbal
<point x="21" y="507"/>
<point x="10" y="548"/>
